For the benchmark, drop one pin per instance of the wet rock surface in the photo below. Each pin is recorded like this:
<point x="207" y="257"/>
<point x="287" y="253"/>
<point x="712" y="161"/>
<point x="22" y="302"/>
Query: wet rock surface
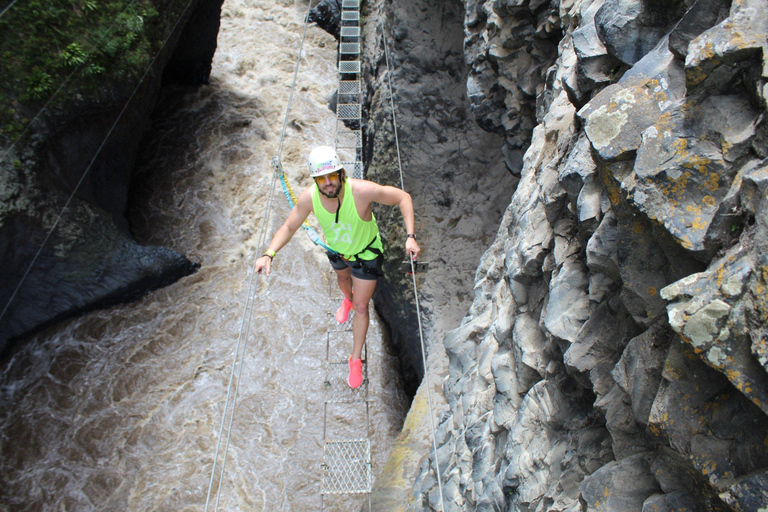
<point x="614" y="356"/>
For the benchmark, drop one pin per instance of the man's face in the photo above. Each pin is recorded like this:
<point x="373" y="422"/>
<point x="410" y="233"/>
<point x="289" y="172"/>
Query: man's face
<point x="330" y="184"/>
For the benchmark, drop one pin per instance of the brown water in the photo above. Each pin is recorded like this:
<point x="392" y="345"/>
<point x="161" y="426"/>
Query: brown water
<point x="121" y="409"/>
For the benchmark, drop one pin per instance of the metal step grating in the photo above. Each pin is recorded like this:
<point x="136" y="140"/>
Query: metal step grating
<point x="348" y="111"/>
<point x="349" y="48"/>
<point x="350" y="31"/>
<point x="354" y="168"/>
<point x="349" y="66"/>
<point x="350" y="4"/>
<point x="337" y="390"/>
<point x="350" y="87"/>
<point x="347" y="467"/>
<point x="349" y="139"/>
<point x="350" y="16"/>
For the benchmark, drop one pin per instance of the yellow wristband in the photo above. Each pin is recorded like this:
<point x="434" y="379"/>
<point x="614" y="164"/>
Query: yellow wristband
<point x="269" y="253"/>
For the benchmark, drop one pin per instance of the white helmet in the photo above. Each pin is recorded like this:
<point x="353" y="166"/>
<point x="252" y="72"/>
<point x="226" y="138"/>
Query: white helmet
<point x="323" y="160"/>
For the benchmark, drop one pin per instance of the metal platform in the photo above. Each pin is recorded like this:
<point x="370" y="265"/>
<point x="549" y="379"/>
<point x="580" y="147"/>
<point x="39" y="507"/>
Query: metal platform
<point x="348" y="111"/>
<point x="349" y="139"/>
<point x="347" y="467"/>
<point x="350" y="31"/>
<point x="349" y="66"/>
<point x="349" y="48"/>
<point x="337" y="390"/>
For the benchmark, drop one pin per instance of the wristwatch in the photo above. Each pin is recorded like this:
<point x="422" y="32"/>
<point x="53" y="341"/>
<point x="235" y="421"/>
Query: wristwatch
<point x="411" y="235"/>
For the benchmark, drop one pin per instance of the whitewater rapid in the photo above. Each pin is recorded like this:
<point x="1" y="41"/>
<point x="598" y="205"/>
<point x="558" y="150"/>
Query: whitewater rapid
<point x="120" y="409"/>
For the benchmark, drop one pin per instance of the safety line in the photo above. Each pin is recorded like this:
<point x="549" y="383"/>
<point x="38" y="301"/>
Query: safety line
<point x="293" y="85"/>
<point x="64" y="83"/>
<point x="232" y="388"/>
<point x="7" y="7"/>
<point x="415" y="290"/>
<point x="95" y="156"/>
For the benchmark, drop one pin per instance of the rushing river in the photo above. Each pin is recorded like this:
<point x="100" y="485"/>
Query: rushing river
<point x="120" y="409"/>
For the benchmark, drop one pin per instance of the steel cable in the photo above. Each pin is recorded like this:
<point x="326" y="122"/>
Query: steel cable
<point x="240" y="346"/>
<point x="415" y="289"/>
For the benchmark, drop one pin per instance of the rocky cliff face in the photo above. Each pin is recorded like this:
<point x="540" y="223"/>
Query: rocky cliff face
<point x="90" y="259"/>
<point x="614" y="357"/>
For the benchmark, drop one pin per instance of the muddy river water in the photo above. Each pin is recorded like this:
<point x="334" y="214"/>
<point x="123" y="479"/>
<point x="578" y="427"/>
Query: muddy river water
<point x="120" y="409"/>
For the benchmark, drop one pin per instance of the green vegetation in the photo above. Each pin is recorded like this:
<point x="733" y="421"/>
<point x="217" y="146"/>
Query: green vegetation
<point x="86" y="46"/>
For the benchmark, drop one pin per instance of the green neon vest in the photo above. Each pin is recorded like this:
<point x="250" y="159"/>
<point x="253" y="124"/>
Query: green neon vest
<point x="351" y="234"/>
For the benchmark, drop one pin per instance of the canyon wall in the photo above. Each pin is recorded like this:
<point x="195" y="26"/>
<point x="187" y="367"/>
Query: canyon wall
<point x="84" y="139"/>
<point x="614" y="357"/>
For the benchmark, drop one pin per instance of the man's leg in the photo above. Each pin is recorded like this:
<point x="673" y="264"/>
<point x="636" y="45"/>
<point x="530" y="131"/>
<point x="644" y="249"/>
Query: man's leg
<point x="362" y="297"/>
<point x="344" y="278"/>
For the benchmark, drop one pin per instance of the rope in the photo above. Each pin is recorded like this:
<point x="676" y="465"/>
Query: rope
<point x="232" y="388"/>
<point x="7" y="7"/>
<point x="415" y="289"/>
<point x="245" y="326"/>
<point x="95" y="156"/>
<point x="64" y="83"/>
<point x="276" y="164"/>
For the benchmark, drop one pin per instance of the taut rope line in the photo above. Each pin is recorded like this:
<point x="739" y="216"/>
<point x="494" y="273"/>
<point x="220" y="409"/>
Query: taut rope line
<point x="415" y="290"/>
<point x="245" y="324"/>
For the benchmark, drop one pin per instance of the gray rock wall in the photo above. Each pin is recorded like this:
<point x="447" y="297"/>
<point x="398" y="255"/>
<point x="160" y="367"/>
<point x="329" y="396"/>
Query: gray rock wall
<point x="614" y="357"/>
<point x="90" y="259"/>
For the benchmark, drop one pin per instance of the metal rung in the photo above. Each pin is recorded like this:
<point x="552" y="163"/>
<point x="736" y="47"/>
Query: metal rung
<point x="350" y="16"/>
<point x="355" y="168"/>
<point x="349" y="48"/>
<point x="348" y="111"/>
<point x="350" y="31"/>
<point x="349" y="139"/>
<point x="350" y="87"/>
<point x="349" y="66"/>
<point x="337" y="390"/>
<point x="350" y="4"/>
<point x="347" y="467"/>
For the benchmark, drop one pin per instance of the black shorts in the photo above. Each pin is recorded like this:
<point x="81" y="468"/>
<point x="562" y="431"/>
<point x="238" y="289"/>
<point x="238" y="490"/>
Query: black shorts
<point x="370" y="270"/>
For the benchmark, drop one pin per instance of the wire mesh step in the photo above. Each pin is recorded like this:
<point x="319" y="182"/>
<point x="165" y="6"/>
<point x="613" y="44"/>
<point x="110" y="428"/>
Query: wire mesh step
<point x="349" y="66"/>
<point x="349" y="139"/>
<point x="337" y="390"/>
<point x="355" y="168"/>
<point x="347" y="467"/>
<point x="350" y="87"/>
<point x="350" y="31"/>
<point x="350" y="4"/>
<point x="350" y="16"/>
<point x="348" y="111"/>
<point x="349" y="48"/>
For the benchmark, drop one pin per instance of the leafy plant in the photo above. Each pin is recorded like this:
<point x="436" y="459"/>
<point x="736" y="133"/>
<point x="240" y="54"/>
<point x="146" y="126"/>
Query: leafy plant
<point x="73" y="56"/>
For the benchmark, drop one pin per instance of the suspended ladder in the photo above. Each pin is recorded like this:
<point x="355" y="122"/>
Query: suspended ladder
<point x="346" y="465"/>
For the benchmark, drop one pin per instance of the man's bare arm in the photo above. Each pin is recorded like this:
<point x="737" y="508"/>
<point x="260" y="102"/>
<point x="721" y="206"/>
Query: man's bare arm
<point x="384" y="194"/>
<point x="283" y="235"/>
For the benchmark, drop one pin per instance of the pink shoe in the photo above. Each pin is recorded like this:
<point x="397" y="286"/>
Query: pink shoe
<point x="342" y="314"/>
<point x="355" y="378"/>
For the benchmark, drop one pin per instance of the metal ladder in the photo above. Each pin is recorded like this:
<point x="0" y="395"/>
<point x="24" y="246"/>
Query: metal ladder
<point x="346" y="466"/>
<point x="349" y="114"/>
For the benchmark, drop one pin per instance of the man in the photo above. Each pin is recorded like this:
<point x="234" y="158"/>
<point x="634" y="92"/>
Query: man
<point x="343" y="208"/>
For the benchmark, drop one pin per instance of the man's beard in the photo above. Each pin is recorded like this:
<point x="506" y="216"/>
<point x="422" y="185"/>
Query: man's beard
<point x="333" y="195"/>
